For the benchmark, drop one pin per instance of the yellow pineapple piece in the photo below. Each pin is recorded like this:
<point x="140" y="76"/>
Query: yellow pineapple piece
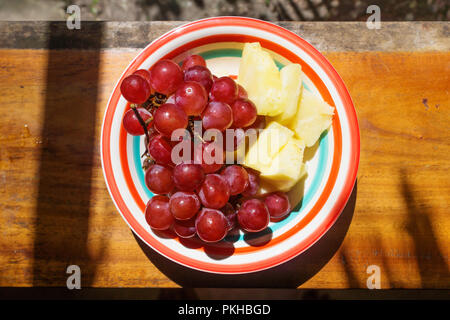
<point x="260" y="77"/>
<point x="266" y="185"/>
<point x="313" y="117"/>
<point x="291" y="79"/>
<point x="268" y="144"/>
<point x="285" y="170"/>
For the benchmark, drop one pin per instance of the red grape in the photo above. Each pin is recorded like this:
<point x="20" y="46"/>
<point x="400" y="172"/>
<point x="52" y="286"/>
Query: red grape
<point x="211" y="225"/>
<point x="157" y="213"/>
<point x="205" y="155"/>
<point x="188" y="176"/>
<point x="184" y="205"/>
<point x="158" y="179"/>
<point x="278" y="204"/>
<point x="199" y="74"/>
<point x="224" y="89"/>
<point x="160" y="149"/>
<point x="253" y="184"/>
<point x="193" y="60"/>
<point x="253" y="215"/>
<point x="244" y="113"/>
<point x="144" y="73"/>
<point x="236" y="177"/>
<point x="214" y="192"/>
<point x="165" y="77"/>
<point x="168" y="118"/>
<point x="217" y="115"/>
<point x="185" y="228"/>
<point x="131" y="122"/>
<point x="192" y="97"/>
<point x="242" y="93"/>
<point x="230" y="214"/>
<point x="135" y="89"/>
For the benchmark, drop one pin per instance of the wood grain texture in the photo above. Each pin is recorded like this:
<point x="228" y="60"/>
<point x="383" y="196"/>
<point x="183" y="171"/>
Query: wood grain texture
<point x="55" y="209"/>
<point x="325" y="36"/>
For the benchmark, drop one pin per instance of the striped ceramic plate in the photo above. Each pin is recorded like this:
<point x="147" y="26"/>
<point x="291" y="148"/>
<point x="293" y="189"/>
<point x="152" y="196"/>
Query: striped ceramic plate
<point x="332" y="164"/>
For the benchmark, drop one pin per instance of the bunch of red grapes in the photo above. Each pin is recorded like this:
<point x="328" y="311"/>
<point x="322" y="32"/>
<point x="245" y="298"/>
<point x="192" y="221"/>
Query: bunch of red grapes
<point x="195" y="197"/>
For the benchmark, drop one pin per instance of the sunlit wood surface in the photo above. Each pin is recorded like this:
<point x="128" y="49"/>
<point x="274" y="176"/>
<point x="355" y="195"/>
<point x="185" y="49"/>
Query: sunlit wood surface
<point x="55" y="209"/>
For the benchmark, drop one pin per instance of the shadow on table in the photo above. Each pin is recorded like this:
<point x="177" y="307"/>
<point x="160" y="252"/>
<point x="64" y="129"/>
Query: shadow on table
<point x="287" y="275"/>
<point x="432" y="264"/>
<point x="67" y="153"/>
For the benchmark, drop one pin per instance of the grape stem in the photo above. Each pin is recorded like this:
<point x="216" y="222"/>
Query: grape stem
<point x="143" y="124"/>
<point x="199" y="136"/>
<point x="194" y="132"/>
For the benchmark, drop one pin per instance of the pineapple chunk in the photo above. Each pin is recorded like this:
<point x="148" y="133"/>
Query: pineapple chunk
<point x="260" y="77"/>
<point x="267" y="187"/>
<point x="285" y="170"/>
<point x="313" y="117"/>
<point x="268" y="144"/>
<point x="291" y="79"/>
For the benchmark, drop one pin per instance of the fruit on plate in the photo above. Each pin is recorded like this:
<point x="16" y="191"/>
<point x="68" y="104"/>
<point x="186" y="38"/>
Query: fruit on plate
<point x="184" y="205"/>
<point x="214" y="192"/>
<point x="188" y="176"/>
<point x="211" y="225"/>
<point x="230" y="213"/>
<point x="279" y="94"/>
<point x="135" y="89"/>
<point x="158" y="179"/>
<point x="259" y="76"/>
<point x="217" y="115"/>
<point x="244" y="113"/>
<point x="202" y="195"/>
<point x="285" y="169"/>
<point x="253" y="215"/>
<point x="278" y="204"/>
<point x="193" y="60"/>
<point x="166" y="76"/>
<point x="170" y="117"/>
<point x="313" y="117"/>
<point x="236" y="177"/>
<point x="199" y="74"/>
<point x="192" y="97"/>
<point x="131" y="122"/>
<point x="254" y="183"/>
<point x="157" y="213"/>
<point x="268" y="144"/>
<point x="185" y="228"/>
<point x="291" y="80"/>
<point x="224" y="89"/>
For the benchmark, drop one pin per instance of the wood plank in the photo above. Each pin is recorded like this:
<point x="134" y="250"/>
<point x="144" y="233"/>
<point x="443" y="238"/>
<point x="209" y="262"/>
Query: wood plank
<point x="55" y="209"/>
<point x="325" y="36"/>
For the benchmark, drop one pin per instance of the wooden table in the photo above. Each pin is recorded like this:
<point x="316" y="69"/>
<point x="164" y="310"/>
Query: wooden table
<point x="55" y="210"/>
